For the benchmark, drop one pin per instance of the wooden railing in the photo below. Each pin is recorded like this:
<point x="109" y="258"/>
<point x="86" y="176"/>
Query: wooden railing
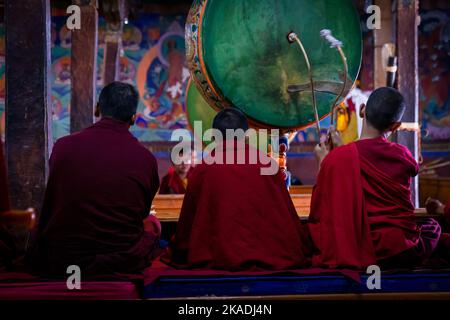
<point x="168" y="207"/>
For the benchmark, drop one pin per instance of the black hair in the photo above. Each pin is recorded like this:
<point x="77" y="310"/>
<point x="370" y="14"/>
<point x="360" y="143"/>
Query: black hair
<point x="118" y="100"/>
<point x="230" y="118"/>
<point x="384" y="108"/>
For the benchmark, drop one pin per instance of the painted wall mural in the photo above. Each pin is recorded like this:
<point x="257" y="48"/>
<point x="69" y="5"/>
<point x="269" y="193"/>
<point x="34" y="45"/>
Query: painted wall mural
<point x="152" y="60"/>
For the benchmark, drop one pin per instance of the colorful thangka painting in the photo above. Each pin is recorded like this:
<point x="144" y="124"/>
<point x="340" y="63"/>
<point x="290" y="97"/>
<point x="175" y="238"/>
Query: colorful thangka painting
<point x="434" y="55"/>
<point x="152" y="60"/>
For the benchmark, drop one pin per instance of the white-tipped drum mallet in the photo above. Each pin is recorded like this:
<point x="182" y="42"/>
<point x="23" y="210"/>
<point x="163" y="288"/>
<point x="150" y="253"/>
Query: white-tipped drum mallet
<point x="335" y="43"/>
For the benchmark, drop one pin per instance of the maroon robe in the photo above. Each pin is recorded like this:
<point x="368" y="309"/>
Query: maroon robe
<point x="233" y="218"/>
<point x="101" y="185"/>
<point x="361" y="208"/>
<point x="7" y="245"/>
<point x="171" y="183"/>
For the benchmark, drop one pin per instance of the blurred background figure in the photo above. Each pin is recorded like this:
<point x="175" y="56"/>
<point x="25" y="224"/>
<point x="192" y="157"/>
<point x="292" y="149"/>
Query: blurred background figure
<point x="176" y="179"/>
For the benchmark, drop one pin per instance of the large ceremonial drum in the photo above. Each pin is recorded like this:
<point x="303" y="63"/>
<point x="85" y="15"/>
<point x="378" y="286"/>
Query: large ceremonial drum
<point x="239" y="55"/>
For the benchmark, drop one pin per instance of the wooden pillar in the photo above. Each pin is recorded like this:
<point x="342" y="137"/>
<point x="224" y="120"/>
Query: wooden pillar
<point x="84" y="67"/>
<point x="28" y="103"/>
<point x="382" y="36"/>
<point x="408" y="77"/>
<point x="114" y="12"/>
<point x="111" y="63"/>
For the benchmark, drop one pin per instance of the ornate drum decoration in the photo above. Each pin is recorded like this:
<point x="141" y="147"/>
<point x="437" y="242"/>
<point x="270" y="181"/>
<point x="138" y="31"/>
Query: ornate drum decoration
<point x="239" y="55"/>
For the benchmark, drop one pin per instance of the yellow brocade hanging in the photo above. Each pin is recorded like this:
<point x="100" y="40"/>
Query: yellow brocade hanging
<point x="346" y="124"/>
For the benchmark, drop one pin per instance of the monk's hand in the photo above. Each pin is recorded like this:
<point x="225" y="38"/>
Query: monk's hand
<point x="434" y="206"/>
<point x="321" y="151"/>
<point x="334" y="138"/>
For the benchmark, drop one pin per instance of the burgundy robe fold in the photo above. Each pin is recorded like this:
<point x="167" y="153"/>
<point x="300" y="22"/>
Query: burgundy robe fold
<point x="361" y="211"/>
<point x="101" y="185"/>
<point x="233" y="218"/>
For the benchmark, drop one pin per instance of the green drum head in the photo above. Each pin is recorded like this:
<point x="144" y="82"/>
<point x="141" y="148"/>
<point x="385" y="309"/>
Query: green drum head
<point x="197" y="109"/>
<point x="250" y="63"/>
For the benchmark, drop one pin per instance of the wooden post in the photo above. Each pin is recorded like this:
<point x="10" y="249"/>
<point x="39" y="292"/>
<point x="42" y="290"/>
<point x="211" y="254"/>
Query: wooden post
<point x="114" y="12"/>
<point x="28" y="103"/>
<point x="111" y="63"/>
<point x="408" y="78"/>
<point x="84" y="67"/>
<point x="382" y="36"/>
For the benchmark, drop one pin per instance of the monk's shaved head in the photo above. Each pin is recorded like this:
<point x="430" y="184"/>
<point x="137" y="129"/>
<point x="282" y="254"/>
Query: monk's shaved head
<point x="230" y="118"/>
<point x="118" y="100"/>
<point x="384" y="108"/>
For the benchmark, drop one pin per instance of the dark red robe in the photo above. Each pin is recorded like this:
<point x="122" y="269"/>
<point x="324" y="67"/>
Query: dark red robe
<point x="7" y="245"/>
<point x="171" y="183"/>
<point x="233" y="218"/>
<point x="361" y="208"/>
<point x="100" y="189"/>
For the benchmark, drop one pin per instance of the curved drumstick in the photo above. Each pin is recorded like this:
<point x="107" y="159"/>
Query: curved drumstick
<point x="292" y="36"/>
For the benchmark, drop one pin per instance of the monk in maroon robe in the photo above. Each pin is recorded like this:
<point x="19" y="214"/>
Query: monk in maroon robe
<point x="100" y="189"/>
<point x="233" y="217"/>
<point x="361" y="208"/>
<point x="176" y="180"/>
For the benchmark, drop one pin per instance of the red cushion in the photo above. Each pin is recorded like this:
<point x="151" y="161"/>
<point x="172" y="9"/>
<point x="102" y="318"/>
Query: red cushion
<point x="15" y="286"/>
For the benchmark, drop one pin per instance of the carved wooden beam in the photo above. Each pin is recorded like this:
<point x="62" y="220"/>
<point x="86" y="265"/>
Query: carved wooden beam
<point x="115" y="12"/>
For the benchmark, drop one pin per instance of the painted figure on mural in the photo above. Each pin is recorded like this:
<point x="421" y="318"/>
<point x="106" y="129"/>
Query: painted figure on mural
<point x="165" y="81"/>
<point x="127" y="70"/>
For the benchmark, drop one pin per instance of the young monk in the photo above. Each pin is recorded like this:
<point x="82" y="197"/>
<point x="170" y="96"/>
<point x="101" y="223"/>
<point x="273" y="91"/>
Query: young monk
<point x="233" y="218"/>
<point x="176" y="180"/>
<point x="101" y="185"/>
<point x="361" y="208"/>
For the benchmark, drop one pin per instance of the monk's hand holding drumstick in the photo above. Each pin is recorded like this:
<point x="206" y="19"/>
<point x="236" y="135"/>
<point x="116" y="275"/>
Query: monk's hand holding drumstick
<point x="321" y="150"/>
<point x="327" y="143"/>
<point x="334" y="139"/>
